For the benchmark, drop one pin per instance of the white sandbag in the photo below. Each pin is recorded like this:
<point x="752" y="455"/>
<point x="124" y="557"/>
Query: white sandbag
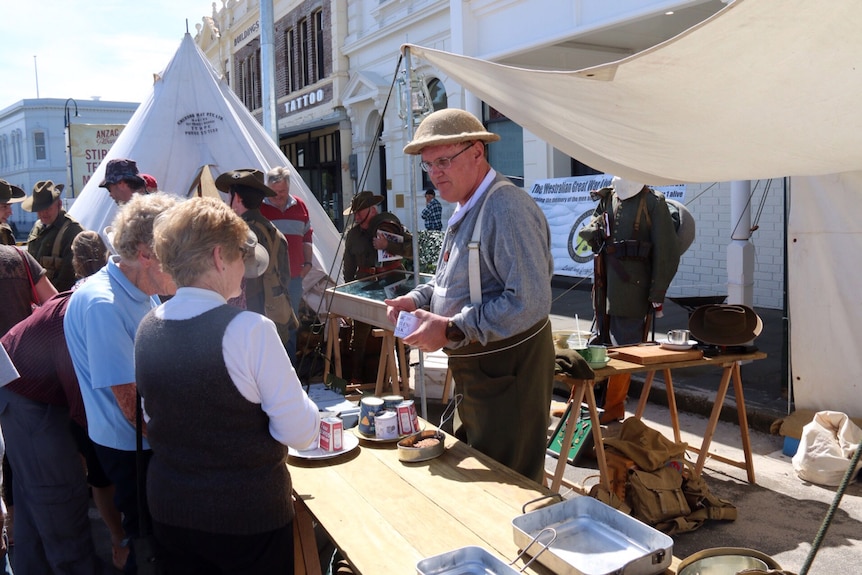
<point x="827" y="444"/>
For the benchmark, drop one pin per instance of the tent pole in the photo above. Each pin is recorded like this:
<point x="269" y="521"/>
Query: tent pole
<point x="267" y="70"/>
<point x="414" y="222"/>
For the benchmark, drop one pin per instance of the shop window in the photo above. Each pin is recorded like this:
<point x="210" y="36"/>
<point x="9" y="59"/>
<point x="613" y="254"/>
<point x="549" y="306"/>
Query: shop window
<point x="4" y="152"/>
<point x="289" y="68"/>
<point x="39" y="149"/>
<point x="319" y="46"/>
<point x="303" y="53"/>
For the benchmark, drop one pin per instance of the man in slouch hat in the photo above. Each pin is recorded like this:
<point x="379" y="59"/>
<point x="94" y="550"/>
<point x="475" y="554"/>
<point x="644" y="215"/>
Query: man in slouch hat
<point x="9" y="195"/>
<point x="50" y="240"/>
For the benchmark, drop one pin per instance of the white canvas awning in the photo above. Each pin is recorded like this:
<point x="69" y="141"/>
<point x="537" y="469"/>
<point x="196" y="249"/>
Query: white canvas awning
<point x="764" y="88"/>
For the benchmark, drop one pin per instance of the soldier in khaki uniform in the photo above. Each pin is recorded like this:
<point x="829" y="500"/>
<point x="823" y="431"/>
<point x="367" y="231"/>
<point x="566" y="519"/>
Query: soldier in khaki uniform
<point x="50" y="240"/>
<point x="9" y="195"/>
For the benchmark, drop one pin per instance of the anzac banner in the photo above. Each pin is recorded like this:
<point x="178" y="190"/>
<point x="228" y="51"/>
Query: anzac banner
<point x="89" y="144"/>
<point x="568" y="207"/>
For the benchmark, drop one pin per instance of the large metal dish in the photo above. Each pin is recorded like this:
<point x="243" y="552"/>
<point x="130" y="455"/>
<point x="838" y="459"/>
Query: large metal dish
<point x="595" y="539"/>
<point x="464" y="561"/>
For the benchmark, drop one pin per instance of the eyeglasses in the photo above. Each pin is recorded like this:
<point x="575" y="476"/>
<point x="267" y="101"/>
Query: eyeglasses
<point x="442" y="163"/>
<point x="245" y="251"/>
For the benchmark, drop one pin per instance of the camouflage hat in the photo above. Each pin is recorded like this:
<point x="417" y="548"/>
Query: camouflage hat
<point x="120" y="169"/>
<point x="45" y="193"/>
<point x="448" y="126"/>
<point x="248" y="177"/>
<point x="10" y="194"/>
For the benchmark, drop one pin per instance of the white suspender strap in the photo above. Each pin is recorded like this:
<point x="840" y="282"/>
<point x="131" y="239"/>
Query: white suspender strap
<point x="475" y="278"/>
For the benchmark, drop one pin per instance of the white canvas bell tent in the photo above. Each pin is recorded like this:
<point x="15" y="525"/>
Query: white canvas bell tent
<point x="190" y="129"/>
<point x="762" y="89"/>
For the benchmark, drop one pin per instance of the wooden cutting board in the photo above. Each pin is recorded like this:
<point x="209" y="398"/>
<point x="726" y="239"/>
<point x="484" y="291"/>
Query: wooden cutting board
<point x="649" y="354"/>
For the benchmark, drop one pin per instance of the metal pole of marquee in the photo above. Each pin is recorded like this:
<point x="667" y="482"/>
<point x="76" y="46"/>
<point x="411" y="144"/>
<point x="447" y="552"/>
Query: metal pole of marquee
<point x="420" y="368"/>
<point x="67" y="124"/>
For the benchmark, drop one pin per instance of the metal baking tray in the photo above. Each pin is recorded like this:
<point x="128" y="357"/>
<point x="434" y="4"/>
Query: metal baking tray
<point x="464" y="561"/>
<point x="595" y="539"/>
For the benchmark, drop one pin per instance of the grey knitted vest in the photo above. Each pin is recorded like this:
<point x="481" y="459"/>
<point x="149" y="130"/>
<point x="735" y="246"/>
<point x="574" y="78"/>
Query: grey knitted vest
<point x="215" y="466"/>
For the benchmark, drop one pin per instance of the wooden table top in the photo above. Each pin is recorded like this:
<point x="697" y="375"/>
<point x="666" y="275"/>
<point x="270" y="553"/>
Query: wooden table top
<point x="615" y="365"/>
<point x="385" y="515"/>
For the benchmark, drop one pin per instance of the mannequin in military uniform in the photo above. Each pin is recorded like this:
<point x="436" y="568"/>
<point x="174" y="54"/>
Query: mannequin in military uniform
<point x="633" y="230"/>
<point x="360" y="258"/>
<point x="50" y="240"/>
<point x="9" y="195"/>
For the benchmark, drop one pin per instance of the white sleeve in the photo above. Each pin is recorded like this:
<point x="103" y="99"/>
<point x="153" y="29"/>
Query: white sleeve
<point x="262" y="372"/>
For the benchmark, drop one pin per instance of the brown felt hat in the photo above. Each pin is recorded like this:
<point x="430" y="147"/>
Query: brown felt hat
<point x="45" y="193"/>
<point x="248" y="177"/>
<point x="363" y="200"/>
<point x="448" y="126"/>
<point x="725" y="324"/>
<point x="10" y="194"/>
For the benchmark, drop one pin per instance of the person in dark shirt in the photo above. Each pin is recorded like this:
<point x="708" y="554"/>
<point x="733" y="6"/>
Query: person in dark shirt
<point x="50" y="240"/>
<point x="37" y="413"/>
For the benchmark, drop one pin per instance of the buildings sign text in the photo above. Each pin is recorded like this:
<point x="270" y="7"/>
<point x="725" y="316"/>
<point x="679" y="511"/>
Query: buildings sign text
<point x="245" y="34"/>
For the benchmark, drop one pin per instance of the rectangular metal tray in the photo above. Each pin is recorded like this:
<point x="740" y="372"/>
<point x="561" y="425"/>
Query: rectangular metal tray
<point x="594" y="539"/>
<point x="464" y="561"/>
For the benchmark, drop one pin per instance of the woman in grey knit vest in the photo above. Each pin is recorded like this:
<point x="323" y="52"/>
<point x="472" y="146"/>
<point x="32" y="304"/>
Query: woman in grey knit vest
<point x="223" y="402"/>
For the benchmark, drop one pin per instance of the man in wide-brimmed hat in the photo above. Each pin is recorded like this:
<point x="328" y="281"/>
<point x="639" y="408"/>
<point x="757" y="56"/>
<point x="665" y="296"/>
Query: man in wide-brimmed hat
<point x="122" y="180"/>
<point x="50" y="240"/>
<point x="494" y="328"/>
<point x="9" y="195"/>
<point x="362" y="247"/>
<point x="268" y="294"/>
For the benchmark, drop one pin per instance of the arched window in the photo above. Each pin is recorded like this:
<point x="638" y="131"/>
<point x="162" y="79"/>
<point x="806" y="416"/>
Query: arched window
<point x="439" y="99"/>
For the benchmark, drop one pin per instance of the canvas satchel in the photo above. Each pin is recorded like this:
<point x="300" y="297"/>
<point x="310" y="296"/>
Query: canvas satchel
<point x="276" y="301"/>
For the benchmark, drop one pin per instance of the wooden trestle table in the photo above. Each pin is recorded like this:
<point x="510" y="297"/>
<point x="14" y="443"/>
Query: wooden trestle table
<point x="385" y="516"/>
<point x="582" y="390"/>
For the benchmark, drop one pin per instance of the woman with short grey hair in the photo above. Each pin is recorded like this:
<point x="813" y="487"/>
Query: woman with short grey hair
<point x="223" y="412"/>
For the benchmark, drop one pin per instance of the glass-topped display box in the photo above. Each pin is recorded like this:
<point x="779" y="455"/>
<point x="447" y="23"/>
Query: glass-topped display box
<point x="363" y="299"/>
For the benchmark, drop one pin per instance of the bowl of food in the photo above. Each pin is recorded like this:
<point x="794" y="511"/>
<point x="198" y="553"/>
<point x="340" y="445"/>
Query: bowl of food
<point x="422" y="446"/>
<point x="430" y="443"/>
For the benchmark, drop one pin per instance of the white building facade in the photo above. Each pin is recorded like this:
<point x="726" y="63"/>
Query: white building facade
<point x="33" y="144"/>
<point x="366" y="39"/>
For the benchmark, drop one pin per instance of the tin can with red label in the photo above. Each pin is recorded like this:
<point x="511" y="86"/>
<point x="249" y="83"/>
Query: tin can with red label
<point x="405" y="420"/>
<point x="411" y="417"/>
<point x="330" y="434"/>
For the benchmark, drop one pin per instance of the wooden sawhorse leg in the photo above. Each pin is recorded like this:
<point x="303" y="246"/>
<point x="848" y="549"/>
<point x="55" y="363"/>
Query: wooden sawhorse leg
<point x="731" y="371"/>
<point x="671" y="401"/>
<point x="581" y="388"/>
<point x="387" y="368"/>
<point x="333" y="347"/>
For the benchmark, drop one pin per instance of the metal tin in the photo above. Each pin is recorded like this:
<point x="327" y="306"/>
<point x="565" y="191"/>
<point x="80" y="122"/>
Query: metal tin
<point x="595" y="539"/>
<point x="464" y="561"/>
<point x="392" y="401"/>
<point x="386" y="425"/>
<point x="414" y="417"/>
<point x="369" y="407"/>
<point x="331" y="430"/>
<point x="405" y="419"/>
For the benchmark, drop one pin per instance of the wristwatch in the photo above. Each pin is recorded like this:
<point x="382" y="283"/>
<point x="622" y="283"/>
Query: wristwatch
<point x="453" y="332"/>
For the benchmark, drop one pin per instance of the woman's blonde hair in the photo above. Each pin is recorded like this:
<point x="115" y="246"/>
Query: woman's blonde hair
<point x="185" y="236"/>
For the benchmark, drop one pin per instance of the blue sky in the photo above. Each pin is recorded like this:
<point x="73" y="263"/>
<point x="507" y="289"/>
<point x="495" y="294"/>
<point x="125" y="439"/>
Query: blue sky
<point x="109" y="49"/>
